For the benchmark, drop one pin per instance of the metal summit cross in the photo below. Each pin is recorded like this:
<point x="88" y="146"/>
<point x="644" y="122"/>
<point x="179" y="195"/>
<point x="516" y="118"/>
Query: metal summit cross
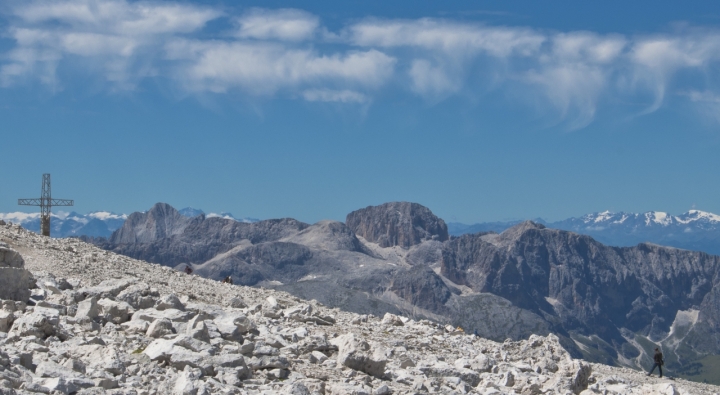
<point x="45" y="202"/>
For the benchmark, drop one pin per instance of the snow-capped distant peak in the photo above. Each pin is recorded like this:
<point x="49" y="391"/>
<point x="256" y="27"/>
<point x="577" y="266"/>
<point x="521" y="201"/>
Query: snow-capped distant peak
<point x="18" y="217"/>
<point x="658" y="217"/>
<point x="604" y="216"/>
<point x="104" y="215"/>
<point x="598" y="217"/>
<point x="697" y="215"/>
<point x="221" y="215"/>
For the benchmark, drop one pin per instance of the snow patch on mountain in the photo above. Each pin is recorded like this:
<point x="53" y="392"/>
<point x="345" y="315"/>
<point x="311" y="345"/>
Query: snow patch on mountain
<point x="194" y="212"/>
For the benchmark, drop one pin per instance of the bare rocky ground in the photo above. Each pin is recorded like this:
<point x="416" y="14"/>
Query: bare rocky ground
<point x="97" y="322"/>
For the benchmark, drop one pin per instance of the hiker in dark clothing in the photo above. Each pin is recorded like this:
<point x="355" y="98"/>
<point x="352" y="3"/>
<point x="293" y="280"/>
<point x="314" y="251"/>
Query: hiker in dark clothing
<point x="188" y="269"/>
<point x="658" y="357"/>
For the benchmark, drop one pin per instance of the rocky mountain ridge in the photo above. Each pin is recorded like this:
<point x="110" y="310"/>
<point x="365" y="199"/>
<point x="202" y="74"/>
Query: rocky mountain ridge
<point x="694" y="230"/>
<point x="604" y="303"/>
<point x="101" y="323"/>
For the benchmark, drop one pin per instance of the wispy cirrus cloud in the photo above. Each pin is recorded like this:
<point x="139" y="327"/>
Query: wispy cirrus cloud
<point x="109" y="32"/>
<point x="267" y="68"/>
<point x="283" y="24"/>
<point x="572" y="75"/>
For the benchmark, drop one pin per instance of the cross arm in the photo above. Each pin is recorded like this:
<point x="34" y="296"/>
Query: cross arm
<point x="41" y="202"/>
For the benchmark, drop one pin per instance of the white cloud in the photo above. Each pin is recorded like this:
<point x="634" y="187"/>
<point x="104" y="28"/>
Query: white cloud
<point x="656" y="60"/>
<point x="447" y="36"/>
<point x="287" y="51"/>
<point x="574" y="73"/>
<point x="117" y="16"/>
<point x="339" y="96"/>
<point x="110" y="33"/>
<point x="283" y="24"/>
<point x="573" y="89"/>
<point x="263" y="68"/>
<point x="431" y="80"/>
<point x="587" y="47"/>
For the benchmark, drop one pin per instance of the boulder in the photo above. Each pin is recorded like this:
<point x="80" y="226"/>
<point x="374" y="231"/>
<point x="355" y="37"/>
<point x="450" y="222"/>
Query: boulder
<point x="232" y="325"/>
<point x="108" y="288"/>
<point x="169" y="302"/>
<point x="41" y="323"/>
<point x="139" y="296"/>
<point x="159" y="328"/>
<point x="357" y="354"/>
<point x="187" y="382"/>
<point x="15" y="284"/>
<point x="116" y="312"/>
<point x="443" y="369"/>
<point x="6" y="320"/>
<point x="52" y="369"/>
<point x="88" y="308"/>
<point x="10" y="257"/>
<point x="151" y="315"/>
<point x="391" y="320"/>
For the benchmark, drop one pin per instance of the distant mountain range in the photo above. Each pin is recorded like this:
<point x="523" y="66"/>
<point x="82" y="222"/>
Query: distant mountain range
<point x="94" y="224"/>
<point x="62" y="224"/>
<point x="694" y="230"/>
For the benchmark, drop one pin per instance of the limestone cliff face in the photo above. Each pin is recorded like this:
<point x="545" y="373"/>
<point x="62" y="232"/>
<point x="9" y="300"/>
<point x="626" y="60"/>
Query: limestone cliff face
<point x="591" y="288"/>
<point x="160" y="222"/>
<point x="401" y="224"/>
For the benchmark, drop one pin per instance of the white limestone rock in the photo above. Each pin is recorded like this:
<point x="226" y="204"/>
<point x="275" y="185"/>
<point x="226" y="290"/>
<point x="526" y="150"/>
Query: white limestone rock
<point x="6" y="320"/>
<point x="15" y="284"/>
<point x="170" y="301"/>
<point x="10" y="258"/>
<point x="357" y="354"/>
<point x="233" y="324"/>
<point x="41" y="323"/>
<point x="88" y="308"/>
<point x="391" y="320"/>
<point x="116" y="312"/>
<point x="159" y="328"/>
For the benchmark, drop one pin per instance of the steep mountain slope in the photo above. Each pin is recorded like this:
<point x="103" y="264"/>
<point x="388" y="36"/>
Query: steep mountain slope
<point x="605" y="303"/>
<point x="594" y="291"/>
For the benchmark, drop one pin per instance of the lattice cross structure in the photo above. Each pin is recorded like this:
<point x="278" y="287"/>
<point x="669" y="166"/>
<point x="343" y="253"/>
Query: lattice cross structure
<point x="45" y="202"/>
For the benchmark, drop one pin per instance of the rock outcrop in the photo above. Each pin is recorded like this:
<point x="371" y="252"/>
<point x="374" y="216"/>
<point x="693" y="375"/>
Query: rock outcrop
<point x="14" y="279"/>
<point x="401" y="224"/>
<point x="114" y="325"/>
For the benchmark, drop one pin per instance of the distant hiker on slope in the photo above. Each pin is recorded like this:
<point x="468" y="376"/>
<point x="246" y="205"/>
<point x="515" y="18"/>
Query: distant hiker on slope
<point x="188" y="269"/>
<point x="227" y="280"/>
<point x="658" y="362"/>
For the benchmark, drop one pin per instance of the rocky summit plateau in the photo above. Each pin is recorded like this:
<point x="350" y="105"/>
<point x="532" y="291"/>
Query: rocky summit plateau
<point x="77" y="319"/>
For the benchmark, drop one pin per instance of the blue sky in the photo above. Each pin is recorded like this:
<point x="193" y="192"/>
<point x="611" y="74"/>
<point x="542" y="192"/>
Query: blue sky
<point x="482" y="111"/>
